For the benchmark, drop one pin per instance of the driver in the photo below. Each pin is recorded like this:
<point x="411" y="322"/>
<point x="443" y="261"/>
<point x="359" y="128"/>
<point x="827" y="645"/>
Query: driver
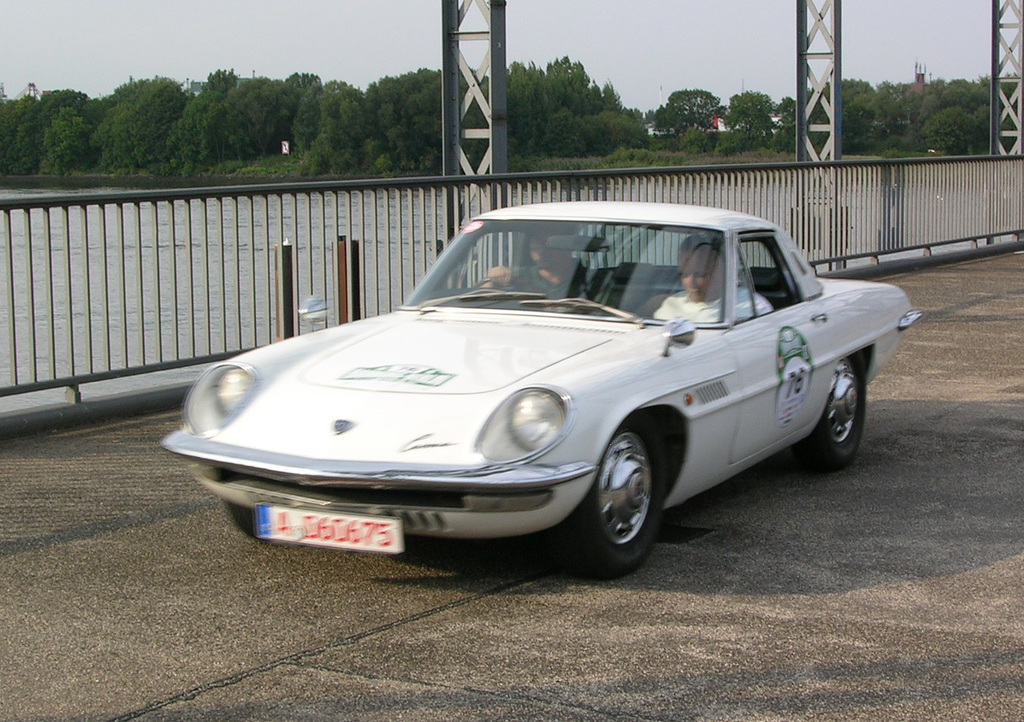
<point x="555" y="272"/>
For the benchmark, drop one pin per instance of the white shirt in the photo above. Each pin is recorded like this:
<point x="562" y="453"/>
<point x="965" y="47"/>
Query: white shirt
<point x="680" y="306"/>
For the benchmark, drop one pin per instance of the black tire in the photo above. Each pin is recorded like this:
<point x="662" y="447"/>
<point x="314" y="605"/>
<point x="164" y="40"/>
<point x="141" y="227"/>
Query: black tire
<point x="834" y="441"/>
<point x="242" y="517"/>
<point x="612" y="531"/>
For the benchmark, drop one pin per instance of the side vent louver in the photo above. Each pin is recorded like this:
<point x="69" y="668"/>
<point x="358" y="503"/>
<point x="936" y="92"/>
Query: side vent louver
<point x="709" y="393"/>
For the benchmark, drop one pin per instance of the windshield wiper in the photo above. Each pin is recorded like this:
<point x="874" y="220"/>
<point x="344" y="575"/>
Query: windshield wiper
<point x="490" y="294"/>
<point x="482" y="294"/>
<point x="585" y="304"/>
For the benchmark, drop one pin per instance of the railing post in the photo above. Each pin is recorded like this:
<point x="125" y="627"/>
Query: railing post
<point x="349" y="290"/>
<point x="285" y="291"/>
<point x="341" y="263"/>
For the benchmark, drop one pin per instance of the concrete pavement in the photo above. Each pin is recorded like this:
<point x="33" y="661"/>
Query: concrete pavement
<point x="891" y="590"/>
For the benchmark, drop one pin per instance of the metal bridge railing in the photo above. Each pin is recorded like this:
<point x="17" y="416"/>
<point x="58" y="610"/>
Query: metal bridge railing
<point x="106" y="285"/>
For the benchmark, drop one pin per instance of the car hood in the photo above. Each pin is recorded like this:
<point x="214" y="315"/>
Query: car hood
<point x="409" y="388"/>
<point x="451" y="355"/>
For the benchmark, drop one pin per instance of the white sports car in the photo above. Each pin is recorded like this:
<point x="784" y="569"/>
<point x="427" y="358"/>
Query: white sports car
<point x="573" y="368"/>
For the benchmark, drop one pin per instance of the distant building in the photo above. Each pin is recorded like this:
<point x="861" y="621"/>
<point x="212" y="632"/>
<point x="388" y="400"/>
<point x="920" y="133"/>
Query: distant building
<point x="919" y="82"/>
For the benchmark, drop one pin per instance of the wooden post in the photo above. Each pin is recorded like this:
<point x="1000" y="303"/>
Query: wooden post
<point x="285" y="291"/>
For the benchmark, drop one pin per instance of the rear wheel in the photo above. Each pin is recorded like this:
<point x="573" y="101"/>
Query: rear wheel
<point x="613" y="529"/>
<point x="834" y="441"/>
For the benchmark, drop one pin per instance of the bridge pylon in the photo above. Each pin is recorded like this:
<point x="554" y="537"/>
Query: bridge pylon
<point x="1007" y="92"/>
<point x="475" y="105"/>
<point x="819" y="98"/>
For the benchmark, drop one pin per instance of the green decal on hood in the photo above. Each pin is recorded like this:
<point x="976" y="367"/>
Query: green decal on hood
<point x="398" y="374"/>
<point x="793" y="364"/>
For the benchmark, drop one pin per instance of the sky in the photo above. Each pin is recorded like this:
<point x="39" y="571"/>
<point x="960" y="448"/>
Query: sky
<point x="646" y="49"/>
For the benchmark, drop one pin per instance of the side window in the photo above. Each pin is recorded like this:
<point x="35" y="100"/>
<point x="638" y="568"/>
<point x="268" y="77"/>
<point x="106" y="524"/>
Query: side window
<point x="745" y="305"/>
<point x="768" y="273"/>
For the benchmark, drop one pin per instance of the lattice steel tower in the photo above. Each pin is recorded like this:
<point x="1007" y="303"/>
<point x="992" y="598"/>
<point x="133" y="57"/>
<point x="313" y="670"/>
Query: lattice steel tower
<point x="819" y="105"/>
<point x="1007" y="98"/>
<point x="474" y="108"/>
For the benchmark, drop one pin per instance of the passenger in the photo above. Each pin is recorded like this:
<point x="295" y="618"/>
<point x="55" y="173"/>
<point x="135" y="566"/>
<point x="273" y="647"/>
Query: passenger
<point x="702" y="274"/>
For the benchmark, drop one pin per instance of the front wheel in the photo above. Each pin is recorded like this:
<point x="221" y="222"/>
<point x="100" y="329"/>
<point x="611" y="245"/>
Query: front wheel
<point x="613" y="529"/>
<point x="834" y="441"/>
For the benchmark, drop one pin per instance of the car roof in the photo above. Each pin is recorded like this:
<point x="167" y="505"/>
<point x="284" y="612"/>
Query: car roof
<point x="633" y="212"/>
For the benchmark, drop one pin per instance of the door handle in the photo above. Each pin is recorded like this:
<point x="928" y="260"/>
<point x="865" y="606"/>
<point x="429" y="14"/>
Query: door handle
<point x="820" y="318"/>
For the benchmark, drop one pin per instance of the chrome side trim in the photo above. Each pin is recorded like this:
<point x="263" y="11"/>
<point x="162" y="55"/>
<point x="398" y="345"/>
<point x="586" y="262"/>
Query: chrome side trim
<point x="909" y="319"/>
<point x="339" y="473"/>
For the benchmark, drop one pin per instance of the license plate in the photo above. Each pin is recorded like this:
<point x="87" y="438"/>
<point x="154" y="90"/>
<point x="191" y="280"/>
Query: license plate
<point x="337" y="531"/>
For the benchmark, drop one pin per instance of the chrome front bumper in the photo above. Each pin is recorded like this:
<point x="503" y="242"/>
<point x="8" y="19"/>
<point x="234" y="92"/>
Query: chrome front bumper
<point x="327" y="473"/>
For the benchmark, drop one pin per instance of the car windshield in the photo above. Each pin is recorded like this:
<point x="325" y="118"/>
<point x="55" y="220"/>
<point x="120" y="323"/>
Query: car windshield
<point x="616" y="270"/>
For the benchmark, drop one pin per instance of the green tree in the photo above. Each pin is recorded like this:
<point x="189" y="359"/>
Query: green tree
<point x="610" y="100"/>
<point x="570" y="88"/>
<point x="610" y="130"/>
<point x="220" y="82"/>
<point x="404" y="123"/>
<point x="560" y="112"/>
<point x="261" y="113"/>
<point x="307" y="114"/>
<point x="750" y="123"/>
<point x="687" y="109"/>
<point x="66" y="143"/>
<point x="950" y="132"/>
<point x="340" y="142"/>
<point x="896" y="109"/>
<point x="858" y="117"/>
<point x="564" y="136"/>
<point x="695" y="141"/>
<point x="134" y="134"/>
<point x="18" y="149"/>
<point x="24" y="124"/>
<point x="528" y="109"/>
<point x="954" y="116"/>
<point x="784" y="140"/>
<point x="199" y="140"/>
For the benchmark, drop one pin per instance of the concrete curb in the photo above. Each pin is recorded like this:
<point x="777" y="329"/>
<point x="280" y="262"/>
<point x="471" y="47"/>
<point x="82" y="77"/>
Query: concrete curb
<point x="909" y="265"/>
<point x="59" y="416"/>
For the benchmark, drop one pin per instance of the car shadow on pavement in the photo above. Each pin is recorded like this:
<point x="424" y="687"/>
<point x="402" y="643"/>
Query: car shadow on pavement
<point x="934" y="491"/>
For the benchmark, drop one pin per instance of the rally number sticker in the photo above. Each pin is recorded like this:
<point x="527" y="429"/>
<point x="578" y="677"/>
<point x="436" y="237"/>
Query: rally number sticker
<point x="793" y="363"/>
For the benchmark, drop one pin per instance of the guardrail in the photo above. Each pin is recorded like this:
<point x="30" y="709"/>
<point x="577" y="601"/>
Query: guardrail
<point x="99" y="286"/>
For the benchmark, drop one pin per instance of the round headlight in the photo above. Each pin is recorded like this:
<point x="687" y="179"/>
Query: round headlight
<point x="536" y="419"/>
<point x="216" y="396"/>
<point x="232" y="388"/>
<point x="527" y="423"/>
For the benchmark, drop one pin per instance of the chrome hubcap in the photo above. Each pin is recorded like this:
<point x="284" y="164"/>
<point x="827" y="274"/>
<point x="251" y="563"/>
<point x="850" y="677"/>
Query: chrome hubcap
<point x="624" y="487"/>
<point x="842" y="401"/>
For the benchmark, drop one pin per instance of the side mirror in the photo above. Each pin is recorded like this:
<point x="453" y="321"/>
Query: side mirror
<point x="678" y="331"/>
<point x="313" y="313"/>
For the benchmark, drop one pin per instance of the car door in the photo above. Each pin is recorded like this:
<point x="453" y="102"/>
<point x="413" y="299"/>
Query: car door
<point x="779" y="349"/>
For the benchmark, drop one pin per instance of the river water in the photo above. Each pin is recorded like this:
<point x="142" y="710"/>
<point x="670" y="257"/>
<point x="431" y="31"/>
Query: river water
<point x="142" y="283"/>
<point x="71" y="324"/>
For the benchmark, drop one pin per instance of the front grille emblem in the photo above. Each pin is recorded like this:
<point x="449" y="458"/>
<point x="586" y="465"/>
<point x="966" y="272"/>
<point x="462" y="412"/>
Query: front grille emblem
<point x="341" y="426"/>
